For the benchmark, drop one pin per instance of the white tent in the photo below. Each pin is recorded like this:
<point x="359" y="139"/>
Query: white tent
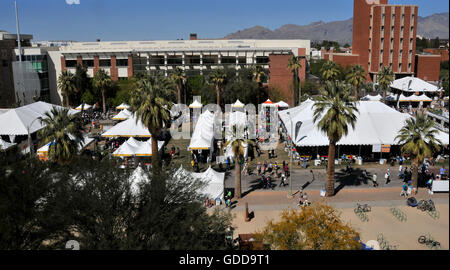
<point x="122" y="115"/>
<point x="413" y="84"/>
<point x="282" y="104"/>
<point x="238" y="104"/>
<point x="133" y="147"/>
<point x="203" y="135"/>
<point x="86" y="107"/>
<point x="123" y="106"/>
<point x="128" y="128"/>
<point x="195" y="104"/>
<point x="268" y="103"/>
<point x="372" y="98"/>
<point x="5" y="145"/>
<point x="17" y="121"/>
<point x="86" y="141"/>
<point x="420" y="98"/>
<point x="214" y="181"/>
<point x="376" y="123"/>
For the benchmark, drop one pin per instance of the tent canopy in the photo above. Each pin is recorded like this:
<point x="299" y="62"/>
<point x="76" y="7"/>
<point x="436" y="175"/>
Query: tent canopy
<point x="5" y="145"/>
<point x="215" y="184"/>
<point x="128" y="128"/>
<point x="86" y="141"/>
<point x="282" y="104"/>
<point x="16" y="121"/>
<point x="238" y="104"/>
<point x="372" y="98"/>
<point x="122" y="115"/>
<point x="123" y="106"/>
<point x="268" y="103"/>
<point x="376" y="123"/>
<point x="203" y="135"/>
<point x="86" y="107"/>
<point x="413" y="84"/>
<point x="133" y="147"/>
<point x="195" y="104"/>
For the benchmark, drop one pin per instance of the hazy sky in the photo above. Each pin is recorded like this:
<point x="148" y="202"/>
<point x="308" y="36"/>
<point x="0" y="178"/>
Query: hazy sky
<point x="173" y="19"/>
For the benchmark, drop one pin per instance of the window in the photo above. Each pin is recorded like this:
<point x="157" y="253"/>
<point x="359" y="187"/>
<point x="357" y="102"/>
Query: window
<point x="382" y="28"/>
<point x="262" y="60"/>
<point x="105" y="62"/>
<point x="88" y="63"/>
<point x="122" y="62"/>
<point x="393" y="16"/>
<point x="228" y="60"/>
<point x="71" y="63"/>
<point x="400" y="66"/>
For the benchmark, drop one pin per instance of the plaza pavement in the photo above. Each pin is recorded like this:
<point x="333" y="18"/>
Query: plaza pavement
<point x="267" y="205"/>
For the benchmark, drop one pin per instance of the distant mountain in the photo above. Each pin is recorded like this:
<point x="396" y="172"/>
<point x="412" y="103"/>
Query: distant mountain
<point x="432" y="26"/>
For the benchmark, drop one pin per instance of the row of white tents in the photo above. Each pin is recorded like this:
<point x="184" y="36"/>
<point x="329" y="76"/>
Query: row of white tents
<point x="400" y="98"/>
<point x="133" y="147"/>
<point x="376" y="124"/>
<point x="238" y="104"/>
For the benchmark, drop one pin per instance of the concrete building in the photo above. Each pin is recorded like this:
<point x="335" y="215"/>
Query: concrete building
<point x="123" y="59"/>
<point x="385" y="36"/>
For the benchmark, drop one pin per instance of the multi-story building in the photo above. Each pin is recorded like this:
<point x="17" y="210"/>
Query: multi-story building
<point x="123" y="59"/>
<point x="385" y="36"/>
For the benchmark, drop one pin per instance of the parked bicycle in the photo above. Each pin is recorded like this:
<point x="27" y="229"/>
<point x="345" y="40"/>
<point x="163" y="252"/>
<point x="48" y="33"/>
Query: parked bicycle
<point x="429" y="242"/>
<point x="363" y="208"/>
<point x="426" y="205"/>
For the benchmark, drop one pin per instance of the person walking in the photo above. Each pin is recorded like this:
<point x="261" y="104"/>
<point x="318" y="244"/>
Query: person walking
<point x="387" y="176"/>
<point x="374" y="180"/>
<point x="400" y="172"/>
<point x="283" y="180"/>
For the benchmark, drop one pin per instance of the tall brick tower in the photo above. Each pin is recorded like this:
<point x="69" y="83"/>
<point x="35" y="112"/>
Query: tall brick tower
<point x="384" y="35"/>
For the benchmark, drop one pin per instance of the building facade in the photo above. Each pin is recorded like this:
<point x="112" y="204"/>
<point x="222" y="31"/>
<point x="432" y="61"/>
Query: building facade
<point x="123" y="59"/>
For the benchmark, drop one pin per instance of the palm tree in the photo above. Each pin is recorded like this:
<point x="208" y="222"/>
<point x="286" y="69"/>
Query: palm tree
<point x="66" y="84"/>
<point x="357" y="77"/>
<point x="294" y="64"/>
<point x="218" y="77"/>
<point x="334" y="111"/>
<point x="151" y="102"/>
<point x="259" y="75"/>
<point x="102" y="81"/>
<point x="385" y="78"/>
<point x="179" y="77"/>
<point x="329" y="71"/>
<point x="63" y="131"/>
<point x="417" y="138"/>
<point x="237" y="143"/>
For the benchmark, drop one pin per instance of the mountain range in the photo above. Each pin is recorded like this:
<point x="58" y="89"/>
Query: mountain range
<point x="436" y="25"/>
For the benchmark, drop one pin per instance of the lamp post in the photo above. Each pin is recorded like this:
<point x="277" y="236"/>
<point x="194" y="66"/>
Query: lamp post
<point x="290" y="149"/>
<point x="29" y="137"/>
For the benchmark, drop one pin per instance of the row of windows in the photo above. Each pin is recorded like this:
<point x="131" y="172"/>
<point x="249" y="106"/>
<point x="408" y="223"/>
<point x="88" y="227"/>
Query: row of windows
<point x="102" y="63"/>
<point x="383" y="16"/>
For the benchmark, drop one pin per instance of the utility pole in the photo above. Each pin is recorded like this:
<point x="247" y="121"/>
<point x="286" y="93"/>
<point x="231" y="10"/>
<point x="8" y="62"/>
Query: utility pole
<point x="18" y="32"/>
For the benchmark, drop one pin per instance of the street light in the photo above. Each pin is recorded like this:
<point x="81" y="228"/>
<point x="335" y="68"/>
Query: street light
<point x="290" y="149"/>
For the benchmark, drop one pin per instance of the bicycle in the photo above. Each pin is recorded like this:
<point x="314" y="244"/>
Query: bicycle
<point x="363" y="208"/>
<point x="426" y="205"/>
<point x="429" y="242"/>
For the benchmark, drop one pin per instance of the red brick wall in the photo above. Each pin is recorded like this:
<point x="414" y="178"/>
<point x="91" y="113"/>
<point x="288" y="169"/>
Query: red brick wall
<point x="130" y="66"/>
<point x="302" y="70"/>
<point x="345" y="60"/>
<point x="280" y="76"/>
<point x="114" y="73"/>
<point x="63" y="63"/>
<point x="442" y="52"/>
<point x="428" y="67"/>
<point x="96" y="64"/>
<point x="79" y="60"/>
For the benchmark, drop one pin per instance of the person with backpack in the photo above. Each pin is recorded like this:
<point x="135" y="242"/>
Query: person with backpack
<point x="387" y="176"/>
<point x="283" y="180"/>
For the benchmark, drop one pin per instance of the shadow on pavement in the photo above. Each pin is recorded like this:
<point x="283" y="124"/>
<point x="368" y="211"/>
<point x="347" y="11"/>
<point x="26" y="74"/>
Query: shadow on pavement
<point x="352" y="178"/>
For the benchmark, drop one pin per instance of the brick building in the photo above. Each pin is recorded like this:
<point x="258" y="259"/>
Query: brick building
<point x="384" y="35"/>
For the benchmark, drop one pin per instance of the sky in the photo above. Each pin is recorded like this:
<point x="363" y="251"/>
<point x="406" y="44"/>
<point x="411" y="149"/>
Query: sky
<point x="87" y="20"/>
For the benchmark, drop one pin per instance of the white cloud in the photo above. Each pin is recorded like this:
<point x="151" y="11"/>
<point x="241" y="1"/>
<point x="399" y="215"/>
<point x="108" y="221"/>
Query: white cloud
<point x="73" y="2"/>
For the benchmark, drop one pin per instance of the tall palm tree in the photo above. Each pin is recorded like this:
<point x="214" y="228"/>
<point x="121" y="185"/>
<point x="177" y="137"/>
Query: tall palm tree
<point x="179" y="77"/>
<point x="63" y="131"/>
<point x="102" y="82"/>
<point x="66" y="84"/>
<point x="294" y="64"/>
<point x="237" y="143"/>
<point x="385" y="77"/>
<point x="357" y="77"/>
<point x="418" y="140"/>
<point x="259" y="75"/>
<point x="329" y="71"/>
<point x="151" y="102"/>
<point x="218" y="77"/>
<point x="334" y="111"/>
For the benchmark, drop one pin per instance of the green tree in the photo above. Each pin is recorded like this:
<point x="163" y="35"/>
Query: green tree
<point x="63" y="131"/>
<point x="334" y="111"/>
<point x="317" y="227"/>
<point x="259" y="75"/>
<point x="151" y="101"/>
<point x="357" y="77"/>
<point x="81" y="81"/>
<point x="329" y="71"/>
<point x="179" y="77"/>
<point x="385" y="77"/>
<point x="102" y="82"/>
<point x="67" y="85"/>
<point x="294" y="64"/>
<point x="218" y="77"/>
<point x="418" y="140"/>
<point x="237" y="143"/>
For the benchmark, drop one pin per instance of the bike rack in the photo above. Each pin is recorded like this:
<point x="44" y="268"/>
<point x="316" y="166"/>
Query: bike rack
<point x="384" y="244"/>
<point x="430" y="242"/>
<point x="434" y="214"/>
<point x="399" y="214"/>
<point x="361" y="214"/>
